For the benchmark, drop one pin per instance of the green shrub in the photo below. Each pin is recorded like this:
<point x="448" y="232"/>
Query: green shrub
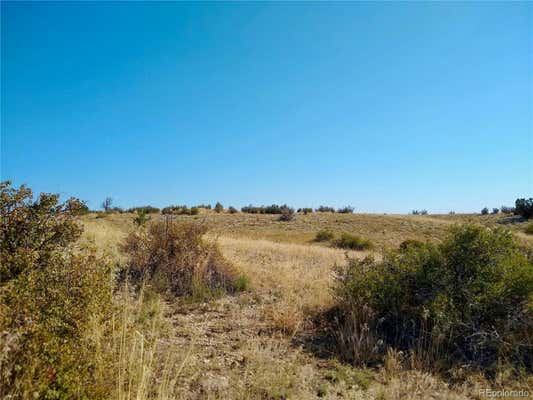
<point x="180" y="210"/>
<point x="411" y="243"/>
<point x="175" y="259"/>
<point x="305" y="210"/>
<point x="419" y="212"/>
<point x="325" y="209"/>
<point x="232" y="210"/>
<point x="353" y="242"/>
<point x="466" y="301"/>
<point x="242" y="283"/>
<point x="495" y="210"/>
<point x="141" y="218"/>
<point x="219" y="208"/>
<point x="144" y="209"/>
<point x="484" y="211"/>
<point x="51" y="295"/>
<point x="524" y="208"/>
<point x="345" y="210"/>
<point x="324" y="235"/>
<point x="529" y="229"/>
<point x="507" y="210"/>
<point x="272" y="209"/>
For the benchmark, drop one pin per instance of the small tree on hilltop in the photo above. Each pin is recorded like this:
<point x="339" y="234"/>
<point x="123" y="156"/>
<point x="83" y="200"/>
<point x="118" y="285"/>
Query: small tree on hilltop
<point x="106" y="204"/>
<point x="524" y="207"/>
<point x="219" y="207"/>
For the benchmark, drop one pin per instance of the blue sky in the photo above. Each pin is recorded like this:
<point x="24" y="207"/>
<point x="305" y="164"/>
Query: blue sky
<point x="384" y="106"/>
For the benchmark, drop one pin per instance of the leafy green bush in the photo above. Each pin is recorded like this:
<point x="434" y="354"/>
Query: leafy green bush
<point x="174" y="258"/>
<point x="484" y="211"/>
<point x="51" y="295"/>
<point x="524" y="208"/>
<point x="495" y="210"/>
<point x="353" y="242"/>
<point x="305" y="210"/>
<point x="466" y="301"/>
<point x="324" y="235"/>
<point x="232" y="210"/>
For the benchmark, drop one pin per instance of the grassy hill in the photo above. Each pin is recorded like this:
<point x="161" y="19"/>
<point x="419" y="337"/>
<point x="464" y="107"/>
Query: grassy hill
<point x="262" y="343"/>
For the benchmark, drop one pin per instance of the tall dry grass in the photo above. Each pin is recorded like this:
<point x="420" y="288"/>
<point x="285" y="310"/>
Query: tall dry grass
<point x="136" y="356"/>
<point x="293" y="280"/>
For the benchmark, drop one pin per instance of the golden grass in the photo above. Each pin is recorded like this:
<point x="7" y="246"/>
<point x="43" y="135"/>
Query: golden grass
<point x="293" y="280"/>
<point x="221" y="351"/>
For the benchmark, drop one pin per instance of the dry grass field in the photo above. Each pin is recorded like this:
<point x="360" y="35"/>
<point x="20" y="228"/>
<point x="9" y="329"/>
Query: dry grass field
<point x="252" y="345"/>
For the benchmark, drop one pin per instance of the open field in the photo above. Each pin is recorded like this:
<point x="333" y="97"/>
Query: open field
<point x="254" y="345"/>
<point x="385" y="231"/>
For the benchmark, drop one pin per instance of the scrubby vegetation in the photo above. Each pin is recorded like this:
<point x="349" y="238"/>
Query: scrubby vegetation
<point x="484" y="211"/>
<point x="162" y="308"/>
<point x="67" y="329"/>
<point x="324" y="235"/>
<point x="345" y="210"/>
<point x="50" y="295"/>
<point x="529" y="229"/>
<point x="419" y="212"/>
<point x="272" y="209"/>
<point x="287" y="214"/>
<point x="232" y="210"/>
<point x="305" y="210"/>
<point x="325" y="209"/>
<point x="180" y="210"/>
<point x="524" y="208"/>
<point x="175" y="259"/>
<point x="507" y="210"/>
<point x="465" y="302"/>
<point x="144" y="209"/>
<point x="352" y="242"/>
<point x="219" y="208"/>
<point x="142" y="217"/>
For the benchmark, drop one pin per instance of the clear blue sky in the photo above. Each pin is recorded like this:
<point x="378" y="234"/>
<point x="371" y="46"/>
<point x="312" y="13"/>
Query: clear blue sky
<point x="383" y="106"/>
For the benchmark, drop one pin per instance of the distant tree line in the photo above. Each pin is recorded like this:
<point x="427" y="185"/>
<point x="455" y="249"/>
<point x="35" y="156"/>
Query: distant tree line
<point x="523" y="207"/>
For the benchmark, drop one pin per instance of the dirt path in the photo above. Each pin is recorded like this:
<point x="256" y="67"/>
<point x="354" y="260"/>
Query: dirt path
<point x="232" y="354"/>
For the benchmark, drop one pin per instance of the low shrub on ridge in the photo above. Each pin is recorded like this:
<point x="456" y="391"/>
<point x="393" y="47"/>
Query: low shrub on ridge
<point x="353" y="242"/>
